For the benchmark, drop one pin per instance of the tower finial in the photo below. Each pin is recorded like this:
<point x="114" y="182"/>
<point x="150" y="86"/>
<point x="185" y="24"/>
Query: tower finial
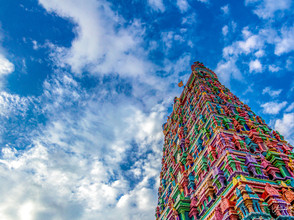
<point x="197" y="64"/>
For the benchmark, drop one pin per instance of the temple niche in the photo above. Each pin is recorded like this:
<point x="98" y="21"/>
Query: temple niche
<point x="220" y="160"/>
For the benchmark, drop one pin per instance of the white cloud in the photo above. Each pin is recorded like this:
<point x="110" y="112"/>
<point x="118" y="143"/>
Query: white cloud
<point x="250" y="44"/>
<point x="268" y="35"/>
<point x="168" y="38"/>
<point x="35" y="45"/>
<point x="83" y="163"/>
<point x="290" y="63"/>
<point x="273" y="68"/>
<point x="285" y="44"/>
<point x="259" y="44"/>
<point x="227" y="70"/>
<point x="13" y="104"/>
<point x="273" y="108"/>
<point x="246" y="33"/>
<point x="157" y="5"/>
<point x="259" y="53"/>
<point x="229" y="28"/>
<point x="286" y="126"/>
<point x="290" y="107"/>
<point x="183" y="5"/>
<point x="225" y="9"/>
<point x="255" y="66"/>
<point x="73" y="169"/>
<point x="178" y="67"/>
<point x="249" y="89"/>
<point x="234" y="26"/>
<point x="267" y="8"/>
<point x="272" y="93"/>
<point x="225" y="30"/>
<point x="110" y="45"/>
<point x="6" y="66"/>
<point x="189" y="19"/>
<point x="203" y="1"/>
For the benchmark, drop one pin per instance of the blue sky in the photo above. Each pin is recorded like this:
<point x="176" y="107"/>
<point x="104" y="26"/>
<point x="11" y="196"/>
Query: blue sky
<point x="85" y="86"/>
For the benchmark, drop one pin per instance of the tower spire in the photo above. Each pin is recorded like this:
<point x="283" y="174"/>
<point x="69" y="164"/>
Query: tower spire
<point x="221" y="160"/>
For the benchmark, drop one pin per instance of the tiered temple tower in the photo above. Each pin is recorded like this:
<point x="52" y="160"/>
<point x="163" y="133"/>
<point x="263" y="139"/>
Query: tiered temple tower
<point x="220" y="160"/>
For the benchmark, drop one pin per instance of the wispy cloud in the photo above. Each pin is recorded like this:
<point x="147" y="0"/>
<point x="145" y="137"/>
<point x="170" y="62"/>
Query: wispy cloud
<point x="99" y="150"/>
<point x="157" y="5"/>
<point x="225" y="30"/>
<point x="273" y="108"/>
<point x="274" y="68"/>
<point x="13" y="104"/>
<point x="109" y="46"/>
<point x="227" y="69"/>
<point x="255" y="66"/>
<point x="79" y="159"/>
<point x="285" y="125"/>
<point x="267" y="8"/>
<point x="204" y="1"/>
<point x="255" y="44"/>
<point x="290" y="107"/>
<point x="6" y="66"/>
<point x="183" y="5"/>
<point x="272" y="93"/>
<point x="225" y="9"/>
<point x="285" y="43"/>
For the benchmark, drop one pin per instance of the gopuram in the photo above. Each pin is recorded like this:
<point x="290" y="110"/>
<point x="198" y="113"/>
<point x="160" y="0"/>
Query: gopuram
<point x="220" y="160"/>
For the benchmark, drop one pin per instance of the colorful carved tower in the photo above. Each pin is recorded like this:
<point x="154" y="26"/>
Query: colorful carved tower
<point x="220" y="160"/>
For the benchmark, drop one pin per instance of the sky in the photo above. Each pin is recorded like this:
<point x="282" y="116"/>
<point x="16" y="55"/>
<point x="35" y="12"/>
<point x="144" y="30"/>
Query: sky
<point x="85" y="86"/>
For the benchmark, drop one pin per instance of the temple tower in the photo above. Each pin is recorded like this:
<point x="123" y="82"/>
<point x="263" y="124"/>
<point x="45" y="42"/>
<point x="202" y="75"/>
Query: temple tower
<point x="220" y="160"/>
